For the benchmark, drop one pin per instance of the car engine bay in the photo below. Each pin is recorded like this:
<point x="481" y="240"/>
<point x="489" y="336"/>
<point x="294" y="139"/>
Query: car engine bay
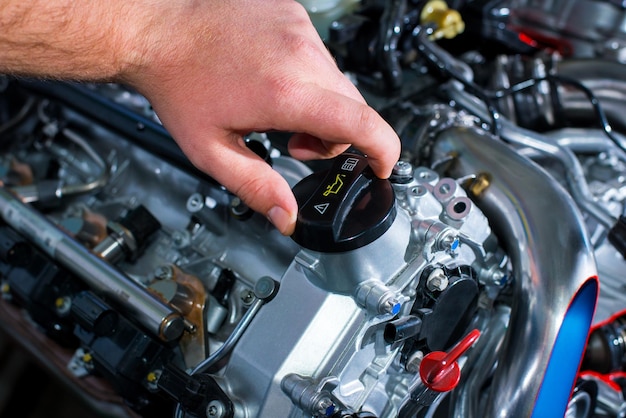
<point x="484" y="278"/>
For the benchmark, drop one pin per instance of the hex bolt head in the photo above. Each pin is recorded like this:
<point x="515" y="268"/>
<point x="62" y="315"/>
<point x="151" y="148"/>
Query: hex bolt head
<point x="326" y="406"/>
<point x="414" y="361"/>
<point x="391" y="306"/>
<point x="437" y="281"/>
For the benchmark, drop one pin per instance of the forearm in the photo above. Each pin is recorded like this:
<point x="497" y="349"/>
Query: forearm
<point x="213" y="70"/>
<point x="69" y="39"/>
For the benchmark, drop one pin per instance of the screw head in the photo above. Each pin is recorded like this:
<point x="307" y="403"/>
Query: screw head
<point x="164" y="272"/>
<point x="195" y="203"/>
<point x="247" y="296"/>
<point x="215" y="409"/>
<point x="403" y="168"/>
<point x="402" y="172"/>
<point x="448" y="241"/>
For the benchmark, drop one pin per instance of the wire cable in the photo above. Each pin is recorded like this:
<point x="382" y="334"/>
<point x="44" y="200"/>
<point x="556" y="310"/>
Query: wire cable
<point x="563" y="80"/>
<point x="445" y="63"/>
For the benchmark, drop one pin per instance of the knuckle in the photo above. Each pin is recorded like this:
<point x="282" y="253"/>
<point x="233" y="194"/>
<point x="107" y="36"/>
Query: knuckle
<point x="367" y="120"/>
<point x="250" y="190"/>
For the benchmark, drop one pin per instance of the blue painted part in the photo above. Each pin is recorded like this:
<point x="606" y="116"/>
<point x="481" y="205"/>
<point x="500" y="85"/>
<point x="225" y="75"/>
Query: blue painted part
<point x="566" y="355"/>
<point x="455" y="244"/>
<point x="396" y="309"/>
<point x="330" y="410"/>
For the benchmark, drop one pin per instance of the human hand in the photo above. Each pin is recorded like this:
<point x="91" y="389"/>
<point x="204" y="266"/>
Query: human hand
<point x="219" y="69"/>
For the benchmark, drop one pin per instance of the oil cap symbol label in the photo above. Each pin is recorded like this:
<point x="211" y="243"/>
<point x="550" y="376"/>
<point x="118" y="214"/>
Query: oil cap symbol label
<point x="334" y="187"/>
<point x="343" y="208"/>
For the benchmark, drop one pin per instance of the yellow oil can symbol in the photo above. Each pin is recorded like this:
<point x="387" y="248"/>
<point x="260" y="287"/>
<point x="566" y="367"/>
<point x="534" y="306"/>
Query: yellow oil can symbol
<point x="334" y="187"/>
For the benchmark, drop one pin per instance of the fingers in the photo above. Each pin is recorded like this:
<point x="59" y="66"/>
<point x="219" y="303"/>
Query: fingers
<point x="260" y="187"/>
<point x="307" y="147"/>
<point x="338" y="120"/>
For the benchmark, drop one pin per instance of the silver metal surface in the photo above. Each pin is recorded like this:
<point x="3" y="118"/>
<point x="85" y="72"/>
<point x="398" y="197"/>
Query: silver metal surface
<point x="161" y="320"/>
<point x="529" y="237"/>
<point x="526" y="138"/>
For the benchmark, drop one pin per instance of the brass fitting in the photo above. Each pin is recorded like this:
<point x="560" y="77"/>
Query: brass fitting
<point x="448" y="21"/>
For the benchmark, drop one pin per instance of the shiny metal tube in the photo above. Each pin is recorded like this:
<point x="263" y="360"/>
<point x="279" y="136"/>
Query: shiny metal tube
<point x="542" y="231"/>
<point x="587" y="141"/>
<point x="101" y="181"/>
<point x="225" y="348"/>
<point x="160" y="319"/>
<point x="580" y="141"/>
<point x="525" y="138"/>
<point x="228" y="345"/>
<point x="32" y="193"/>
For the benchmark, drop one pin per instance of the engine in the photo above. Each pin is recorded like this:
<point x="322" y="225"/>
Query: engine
<point x="484" y="278"/>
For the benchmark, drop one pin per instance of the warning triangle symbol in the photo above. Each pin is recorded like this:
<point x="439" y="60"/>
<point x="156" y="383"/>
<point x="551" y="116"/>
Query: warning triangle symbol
<point x="321" y="208"/>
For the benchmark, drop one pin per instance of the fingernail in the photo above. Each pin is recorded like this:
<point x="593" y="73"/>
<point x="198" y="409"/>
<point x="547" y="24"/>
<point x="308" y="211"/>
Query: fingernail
<point x="282" y="220"/>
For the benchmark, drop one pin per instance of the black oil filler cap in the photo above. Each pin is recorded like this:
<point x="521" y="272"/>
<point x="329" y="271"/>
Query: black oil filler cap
<point x="343" y="208"/>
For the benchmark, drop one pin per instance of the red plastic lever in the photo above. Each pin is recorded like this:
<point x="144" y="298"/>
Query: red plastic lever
<point x="440" y="371"/>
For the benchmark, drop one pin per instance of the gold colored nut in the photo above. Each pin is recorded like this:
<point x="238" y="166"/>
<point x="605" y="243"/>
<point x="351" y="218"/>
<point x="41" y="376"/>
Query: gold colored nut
<point x="480" y="184"/>
<point x="5" y="288"/>
<point x="151" y="377"/>
<point x="87" y="358"/>
<point x="431" y="7"/>
<point x="59" y="302"/>
<point x="449" y="22"/>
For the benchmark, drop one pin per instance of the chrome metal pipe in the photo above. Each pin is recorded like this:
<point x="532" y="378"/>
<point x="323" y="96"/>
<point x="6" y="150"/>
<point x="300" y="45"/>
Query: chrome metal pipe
<point x="162" y="320"/>
<point x="580" y="141"/>
<point x="525" y="138"/>
<point x="32" y="193"/>
<point x="543" y="232"/>
<point x="607" y="81"/>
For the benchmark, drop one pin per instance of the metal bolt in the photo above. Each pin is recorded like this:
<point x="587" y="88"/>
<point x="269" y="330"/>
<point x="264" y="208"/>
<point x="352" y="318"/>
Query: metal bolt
<point x="239" y="209"/>
<point x="325" y="406"/>
<point x="391" y="306"/>
<point x="414" y="361"/>
<point x="403" y="169"/>
<point x="215" y="409"/>
<point x="164" y="272"/>
<point x="265" y="288"/>
<point x="63" y="305"/>
<point x="498" y="278"/>
<point x="247" y="296"/>
<point x="437" y="281"/>
<point x="195" y="203"/>
<point x="178" y="239"/>
<point x="152" y="379"/>
<point x="448" y="241"/>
